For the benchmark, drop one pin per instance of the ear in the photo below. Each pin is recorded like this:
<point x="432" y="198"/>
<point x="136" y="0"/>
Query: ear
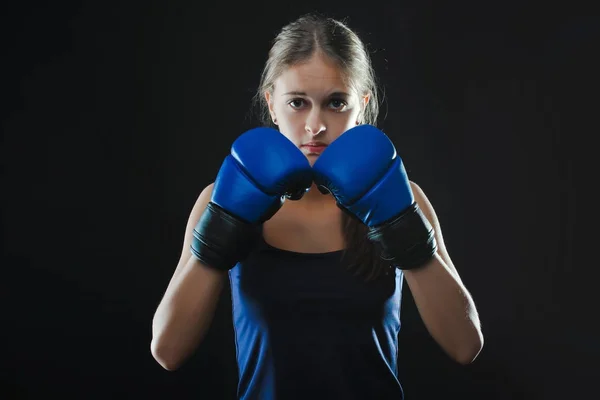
<point x="364" y="101"/>
<point x="269" y="101"/>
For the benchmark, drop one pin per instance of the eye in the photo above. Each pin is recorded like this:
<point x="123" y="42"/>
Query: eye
<point x="338" y="104"/>
<point x="296" y="103"/>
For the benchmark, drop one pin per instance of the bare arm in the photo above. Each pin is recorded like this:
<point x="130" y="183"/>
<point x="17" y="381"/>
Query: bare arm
<point x="445" y="305"/>
<point x="187" y="307"/>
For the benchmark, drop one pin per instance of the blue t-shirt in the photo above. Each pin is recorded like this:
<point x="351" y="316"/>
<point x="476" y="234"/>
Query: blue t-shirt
<point x="306" y="328"/>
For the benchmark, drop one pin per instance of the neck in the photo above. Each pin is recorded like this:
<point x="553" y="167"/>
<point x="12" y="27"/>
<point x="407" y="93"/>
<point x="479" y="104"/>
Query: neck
<point x="315" y="199"/>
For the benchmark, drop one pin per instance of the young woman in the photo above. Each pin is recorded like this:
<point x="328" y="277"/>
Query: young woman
<point x="315" y="224"/>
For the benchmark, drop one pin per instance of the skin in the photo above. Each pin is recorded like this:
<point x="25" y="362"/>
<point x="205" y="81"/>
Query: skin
<point x="311" y="102"/>
<point x="186" y="310"/>
<point x="319" y="113"/>
<point x="312" y="224"/>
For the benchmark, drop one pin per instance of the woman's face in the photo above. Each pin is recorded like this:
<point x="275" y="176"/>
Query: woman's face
<point x="312" y="106"/>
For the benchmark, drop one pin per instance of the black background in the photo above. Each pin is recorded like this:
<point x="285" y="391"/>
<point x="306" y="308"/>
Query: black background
<point x="116" y="114"/>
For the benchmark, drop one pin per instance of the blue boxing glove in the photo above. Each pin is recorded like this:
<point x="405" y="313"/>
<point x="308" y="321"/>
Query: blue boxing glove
<point x="364" y="173"/>
<point x="261" y="171"/>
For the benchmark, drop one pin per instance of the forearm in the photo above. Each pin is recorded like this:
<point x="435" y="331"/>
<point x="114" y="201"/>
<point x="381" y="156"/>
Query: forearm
<point x="185" y="312"/>
<point x="447" y="309"/>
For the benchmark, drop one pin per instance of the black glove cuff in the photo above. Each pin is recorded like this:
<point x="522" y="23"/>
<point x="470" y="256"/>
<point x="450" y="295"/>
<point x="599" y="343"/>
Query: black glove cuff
<point x="221" y="240"/>
<point x="407" y="241"/>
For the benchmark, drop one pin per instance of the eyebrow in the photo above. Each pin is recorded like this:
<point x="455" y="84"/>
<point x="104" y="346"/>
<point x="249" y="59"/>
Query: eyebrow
<point x="334" y="94"/>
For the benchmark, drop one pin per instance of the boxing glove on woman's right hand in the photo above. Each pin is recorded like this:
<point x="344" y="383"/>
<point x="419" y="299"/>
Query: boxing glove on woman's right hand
<point x="263" y="168"/>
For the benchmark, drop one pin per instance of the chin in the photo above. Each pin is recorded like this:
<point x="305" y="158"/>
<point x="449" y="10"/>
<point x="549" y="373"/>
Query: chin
<point x="312" y="158"/>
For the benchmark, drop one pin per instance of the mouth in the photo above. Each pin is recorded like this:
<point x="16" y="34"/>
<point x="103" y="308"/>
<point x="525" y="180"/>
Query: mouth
<point x="313" y="148"/>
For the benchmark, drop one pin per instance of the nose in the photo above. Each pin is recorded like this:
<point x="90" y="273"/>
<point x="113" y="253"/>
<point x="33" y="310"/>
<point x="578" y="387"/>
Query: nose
<point x="314" y="123"/>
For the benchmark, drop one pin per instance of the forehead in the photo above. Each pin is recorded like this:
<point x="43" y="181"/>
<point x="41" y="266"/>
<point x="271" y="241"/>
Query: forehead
<point x="314" y="76"/>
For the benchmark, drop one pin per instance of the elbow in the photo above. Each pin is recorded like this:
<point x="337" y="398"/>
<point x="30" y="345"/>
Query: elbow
<point x="470" y="353"/>
<point x="164" y="356"/>
<point x="466" y="358"/>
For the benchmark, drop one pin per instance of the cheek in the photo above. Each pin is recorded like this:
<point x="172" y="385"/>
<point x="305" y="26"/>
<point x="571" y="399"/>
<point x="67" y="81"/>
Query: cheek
<point x="289" y="134"/>
<point x="292" y="132"/>
<point x="348" y="121"/>
<point x="292" y="124"/>
<point x="288" y="119"/>
<point x="291" y="127"/>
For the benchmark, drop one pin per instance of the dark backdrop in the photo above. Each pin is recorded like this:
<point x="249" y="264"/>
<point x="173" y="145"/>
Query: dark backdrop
<point x="116" y="114"/>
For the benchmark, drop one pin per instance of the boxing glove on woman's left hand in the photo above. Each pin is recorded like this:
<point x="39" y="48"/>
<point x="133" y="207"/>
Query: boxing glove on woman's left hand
<point x="364" y="173"/>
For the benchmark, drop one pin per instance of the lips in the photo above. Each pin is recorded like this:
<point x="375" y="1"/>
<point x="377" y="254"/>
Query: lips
<point x="317" y="143"/>
<point x="314" y="147"/>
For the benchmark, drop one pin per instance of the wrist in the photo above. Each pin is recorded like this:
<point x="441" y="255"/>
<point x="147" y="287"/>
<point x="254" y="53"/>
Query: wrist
<point x="407" y="240"/>
<point x="221" y="240"/>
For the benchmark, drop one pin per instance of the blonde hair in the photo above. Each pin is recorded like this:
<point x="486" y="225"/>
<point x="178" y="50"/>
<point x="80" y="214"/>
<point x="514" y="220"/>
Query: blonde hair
<point x="297" y="42"/>
<point x="310" y="34"/>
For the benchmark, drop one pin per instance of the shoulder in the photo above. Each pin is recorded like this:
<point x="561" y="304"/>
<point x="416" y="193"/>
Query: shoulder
<point x="201" y="202"/>
<point x="415" y="188"/>
<point x="196" y="212"/>
<point x="422" y="200"/>
<point x="207" y="191"/>
<point x="428" y="211"/>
